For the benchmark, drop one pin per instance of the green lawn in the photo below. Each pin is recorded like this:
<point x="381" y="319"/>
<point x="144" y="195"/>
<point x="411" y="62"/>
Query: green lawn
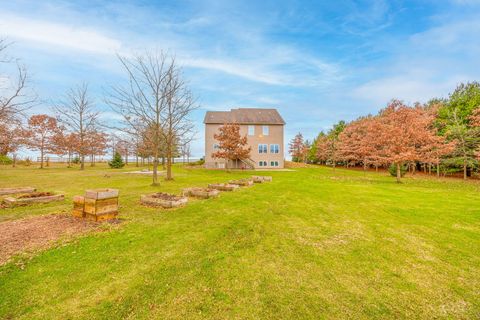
<point x="311" y="244"/>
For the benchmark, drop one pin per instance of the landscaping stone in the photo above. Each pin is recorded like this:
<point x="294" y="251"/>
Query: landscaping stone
<point x="6" y="191"/>
<point x="223" y="186"/>
<point x="260" y="179"/>
<point x="242" y="182"/>
<point x="164" y="200"/>
<point x="203" y="193"/>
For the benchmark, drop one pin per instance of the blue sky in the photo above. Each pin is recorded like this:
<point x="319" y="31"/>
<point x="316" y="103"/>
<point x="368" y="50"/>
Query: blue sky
<point x="316" y="61"/>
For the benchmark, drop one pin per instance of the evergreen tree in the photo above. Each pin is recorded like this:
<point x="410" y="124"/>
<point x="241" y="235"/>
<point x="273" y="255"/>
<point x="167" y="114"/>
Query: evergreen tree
<point x="117" y="161"/>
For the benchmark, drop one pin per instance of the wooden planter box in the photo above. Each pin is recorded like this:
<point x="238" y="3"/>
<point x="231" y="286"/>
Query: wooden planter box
<point x="203" y="193"/>
<point x="242" y="182"/>
<point x="5" y="191"/>
<point x="260" y="179"/>
<point x="155" y="200"/>
<point x="16" y="201"/>
<point x="223" y="186"/>
<point x="101" y="204"/>
<point x="78" y="207"/>
<point x="101" y="194"/>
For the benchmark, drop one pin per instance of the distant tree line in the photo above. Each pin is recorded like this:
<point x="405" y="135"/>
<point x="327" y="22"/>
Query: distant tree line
<point x="442" y="136"/>
<point x="154" y="104"/>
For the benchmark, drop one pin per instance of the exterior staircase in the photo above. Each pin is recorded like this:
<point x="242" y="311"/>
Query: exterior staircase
<point x="249" y="163"/>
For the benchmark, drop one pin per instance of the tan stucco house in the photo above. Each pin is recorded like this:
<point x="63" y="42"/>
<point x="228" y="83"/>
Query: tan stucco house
<point x="264" y="131"/>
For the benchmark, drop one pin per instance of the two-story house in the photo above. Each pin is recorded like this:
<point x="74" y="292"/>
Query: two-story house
<point x="264" y="131"/>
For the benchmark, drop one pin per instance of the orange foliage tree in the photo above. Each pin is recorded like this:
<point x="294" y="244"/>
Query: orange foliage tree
<point x="231" y="144"/>
<point x="39" y="134"/>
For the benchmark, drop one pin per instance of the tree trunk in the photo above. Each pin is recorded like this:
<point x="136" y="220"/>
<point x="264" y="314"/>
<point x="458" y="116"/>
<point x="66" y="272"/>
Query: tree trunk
<point x="399" y="173"/>
<point x="14" y="163"/>
<point x="82" y="161"/>
<point x="136" y="160"/>
<point x="154" y="174"/>
<point x="41" y="157"/>
<point x="169" y="162"/>
<point x="69" y="159"/>
<point x="465" y="168"/>
<point x="438" y="170"/>
<point x="163" y="162"/>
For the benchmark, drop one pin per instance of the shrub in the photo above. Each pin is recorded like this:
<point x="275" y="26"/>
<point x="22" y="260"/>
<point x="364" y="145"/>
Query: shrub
<point x="5" y="159"/>
<point x="393" y="170"/>
<point x="116" y="162"/>
<point x="76" y="160"/>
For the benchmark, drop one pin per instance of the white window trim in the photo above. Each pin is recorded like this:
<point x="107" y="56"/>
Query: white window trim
<point x="267" y="130"/>
<point x="264" y="150"/>
<point x="277" y="149"/>
<point x="253" y="130"/>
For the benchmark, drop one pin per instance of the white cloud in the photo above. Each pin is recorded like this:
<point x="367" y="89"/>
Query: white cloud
<point x="58" y="35"/>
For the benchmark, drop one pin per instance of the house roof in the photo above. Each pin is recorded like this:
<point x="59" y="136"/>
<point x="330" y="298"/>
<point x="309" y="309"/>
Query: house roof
<point x="244" y="116"/>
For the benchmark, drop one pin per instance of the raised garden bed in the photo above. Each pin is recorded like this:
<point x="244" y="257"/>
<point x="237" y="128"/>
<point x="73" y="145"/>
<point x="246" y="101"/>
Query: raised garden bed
<point x="242" y="182"/>
<point x="223" y="186"/>
<point x="31" y="198"/>
<point x="6" y="191"/>
<point x="99" y="204"/>
<point x="260" y="179"/>
<point x="203" y="193"/>
<point x="164" y="200"/>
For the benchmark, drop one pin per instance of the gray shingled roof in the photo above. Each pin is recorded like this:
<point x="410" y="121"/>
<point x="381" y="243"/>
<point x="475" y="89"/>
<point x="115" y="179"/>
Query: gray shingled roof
<point x="244" y="116"/>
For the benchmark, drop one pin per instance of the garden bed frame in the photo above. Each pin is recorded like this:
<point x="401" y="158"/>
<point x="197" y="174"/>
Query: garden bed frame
<point x="7" y="191"/>
<point x="203" y="193"/>
<point x="152" y="201"/>
<point x="16" y="201"/>
<point x="242" y="182"/>
<point x="223" y="186"/>
<point x="261" y="179"/>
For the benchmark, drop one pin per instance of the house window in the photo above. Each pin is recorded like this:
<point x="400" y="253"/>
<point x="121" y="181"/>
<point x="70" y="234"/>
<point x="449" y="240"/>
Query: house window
<point x="274" y="163"/>
<point x="216" y="146"/>
<point x="262" y="148"/>
<point x="265" y="130"/>
<point x="251" y="130"/>
<point x="262" y="163"/>
<point x="274" y="148"/>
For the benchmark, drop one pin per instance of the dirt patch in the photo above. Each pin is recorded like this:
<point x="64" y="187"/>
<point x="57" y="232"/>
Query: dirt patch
<point x="38" y="233"/>
<point x="35" y="195"/>
<point x="165" y="196"/>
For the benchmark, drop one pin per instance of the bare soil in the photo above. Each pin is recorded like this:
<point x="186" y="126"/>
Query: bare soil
<point x="36" y="233"/>
<point x="35" y="195"/>
<point x="165" y="196"/>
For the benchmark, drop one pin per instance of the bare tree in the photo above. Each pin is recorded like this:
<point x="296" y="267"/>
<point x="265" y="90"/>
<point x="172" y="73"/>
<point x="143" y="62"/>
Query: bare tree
<point x="77" y="113"/>
<point x="14" y="96"/>
<point x="177" y="128"/>
<point x="154" y="105"/>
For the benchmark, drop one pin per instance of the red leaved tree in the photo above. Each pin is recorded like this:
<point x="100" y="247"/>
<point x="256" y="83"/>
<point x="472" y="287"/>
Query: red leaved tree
<point x="39" y="134"/>
<point x="232" y="146"/>
<point x="403" y="132"/>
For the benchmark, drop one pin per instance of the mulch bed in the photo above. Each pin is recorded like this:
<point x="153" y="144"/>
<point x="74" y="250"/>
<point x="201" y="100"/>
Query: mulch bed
<point x="38" y="233"/>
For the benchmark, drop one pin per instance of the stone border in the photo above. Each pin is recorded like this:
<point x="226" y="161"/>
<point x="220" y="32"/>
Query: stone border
<point x="149" y="200"/>
<point x="6" y="191"/>
<point x="11" y="201"/>
<point x="242" y="182"/>
<point x="203" y="193"/>
<point x="260" y="179"/>
<point x="223" y="186"/>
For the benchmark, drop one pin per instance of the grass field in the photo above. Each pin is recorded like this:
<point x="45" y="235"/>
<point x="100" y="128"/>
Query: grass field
<point x="311" y="244"/>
